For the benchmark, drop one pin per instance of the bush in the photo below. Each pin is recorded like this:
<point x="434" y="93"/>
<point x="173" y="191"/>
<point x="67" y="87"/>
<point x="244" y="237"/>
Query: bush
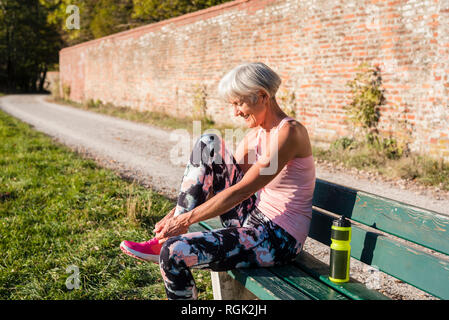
<point x="344" y="143"/>
<point x="367" y="96"/>
<point x="54" y="89"/>
<point x="65" y="92"/>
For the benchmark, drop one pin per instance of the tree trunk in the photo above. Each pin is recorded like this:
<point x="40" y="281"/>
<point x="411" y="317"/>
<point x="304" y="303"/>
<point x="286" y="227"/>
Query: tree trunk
<point x="42" y="77"/>
<point x="9" y="68"/>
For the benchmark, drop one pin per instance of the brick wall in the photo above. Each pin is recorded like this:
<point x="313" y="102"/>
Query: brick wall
<point x="314" y="45"/>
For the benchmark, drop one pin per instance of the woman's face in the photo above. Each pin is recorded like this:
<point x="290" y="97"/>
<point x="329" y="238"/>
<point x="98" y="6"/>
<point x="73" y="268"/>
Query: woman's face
<point x="252" y="113"/>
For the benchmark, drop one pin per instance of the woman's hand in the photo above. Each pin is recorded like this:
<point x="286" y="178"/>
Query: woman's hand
<point x="174" y="226"/>
<point x="160" y="225"/>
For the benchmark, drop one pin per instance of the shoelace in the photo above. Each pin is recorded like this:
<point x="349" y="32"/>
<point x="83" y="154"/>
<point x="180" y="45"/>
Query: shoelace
<point x="153" y="241"/>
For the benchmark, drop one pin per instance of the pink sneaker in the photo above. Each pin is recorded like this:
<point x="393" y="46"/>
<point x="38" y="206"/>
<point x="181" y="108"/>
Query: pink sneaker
<point x="146" y="251"/>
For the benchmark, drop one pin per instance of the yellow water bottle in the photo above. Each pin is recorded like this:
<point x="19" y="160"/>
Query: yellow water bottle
<point x="340" y="250"/>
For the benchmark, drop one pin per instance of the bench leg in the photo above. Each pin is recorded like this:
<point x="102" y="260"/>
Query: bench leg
<point x="226" y="288"/>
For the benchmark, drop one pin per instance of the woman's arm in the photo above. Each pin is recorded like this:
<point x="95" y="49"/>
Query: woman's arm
<point x="245" y="153"/>
<point x="160" y="225"/>
<point x="258" y="175"/>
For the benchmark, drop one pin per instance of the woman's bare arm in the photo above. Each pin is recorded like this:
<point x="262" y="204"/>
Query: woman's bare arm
<point x="245" y="153"/>
<point x="160" y="225"/>
<point x="259" y="174"/>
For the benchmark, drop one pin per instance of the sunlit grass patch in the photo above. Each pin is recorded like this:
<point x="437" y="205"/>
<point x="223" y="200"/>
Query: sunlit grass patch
<point x="58" y="210"/>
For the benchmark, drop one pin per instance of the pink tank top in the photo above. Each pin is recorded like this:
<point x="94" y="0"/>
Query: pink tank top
<point x="287" y="199"/>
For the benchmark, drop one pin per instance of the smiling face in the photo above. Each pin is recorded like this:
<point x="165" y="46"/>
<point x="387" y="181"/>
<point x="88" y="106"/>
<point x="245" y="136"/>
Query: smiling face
<point x="252" y="113"/>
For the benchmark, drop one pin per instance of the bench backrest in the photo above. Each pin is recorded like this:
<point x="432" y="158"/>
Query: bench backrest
<point x="420" y="226"/>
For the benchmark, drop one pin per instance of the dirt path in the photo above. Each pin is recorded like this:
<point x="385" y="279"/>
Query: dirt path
<point x="137" y="151"/>
<point x="145" y="153"/>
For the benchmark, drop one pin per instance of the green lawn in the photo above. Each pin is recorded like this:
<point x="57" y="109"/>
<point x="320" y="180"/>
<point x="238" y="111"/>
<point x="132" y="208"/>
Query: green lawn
<point x="59" y="210"/>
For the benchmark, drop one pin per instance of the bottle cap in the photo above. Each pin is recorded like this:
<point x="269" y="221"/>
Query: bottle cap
<point x="342" y="222"/>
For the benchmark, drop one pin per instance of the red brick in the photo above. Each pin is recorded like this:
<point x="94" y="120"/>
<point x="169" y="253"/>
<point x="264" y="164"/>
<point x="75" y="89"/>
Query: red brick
<point x="154" y="67"/>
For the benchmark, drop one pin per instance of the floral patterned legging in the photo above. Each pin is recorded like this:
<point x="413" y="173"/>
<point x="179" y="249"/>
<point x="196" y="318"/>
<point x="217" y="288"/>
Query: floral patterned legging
<point x="248" y="238"/>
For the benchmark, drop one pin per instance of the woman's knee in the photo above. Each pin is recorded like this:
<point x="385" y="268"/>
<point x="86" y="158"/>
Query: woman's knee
<point x="209" y="137"/>
<point x="177" y="251"/>
<point x="166" y="250"/>
<point x="207" y="146"/>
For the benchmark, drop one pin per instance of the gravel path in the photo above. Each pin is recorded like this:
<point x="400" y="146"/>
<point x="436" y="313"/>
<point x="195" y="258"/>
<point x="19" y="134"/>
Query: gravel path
<point x="146" y="154"/>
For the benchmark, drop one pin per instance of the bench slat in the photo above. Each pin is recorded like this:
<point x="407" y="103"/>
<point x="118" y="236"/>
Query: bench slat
<point x="196" y="228"/>
<point x="210" y="224"/>
<point x="421" y="226"/>
<point x="265" y="285"/>
<point x="306" y="283"/>
<point x="352" y="290"/>
<point x="310" y="286"/>
<point x="261" y="282"/>
<point x="319" y="270"/>
<point x="398" y="260"/>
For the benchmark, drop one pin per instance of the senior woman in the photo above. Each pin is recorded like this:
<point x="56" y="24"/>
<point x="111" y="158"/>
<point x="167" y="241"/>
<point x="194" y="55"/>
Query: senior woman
<point x="265" y="206"/>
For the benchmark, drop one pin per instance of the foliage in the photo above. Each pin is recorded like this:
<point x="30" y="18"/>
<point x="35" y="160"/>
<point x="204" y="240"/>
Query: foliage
<point x="99" y="18"/>
<point x="422" y="169"/>
<point x="55" y="89"/>
<point x="32" y="32"/>
<point x="110" y="16"/>
<point x="367" y="96"/>
<point x="65" y="92"/>
<point x="363" y="112"/>
<point x="199" y="104"/>
<point x="288" y="102"/>
<point x="156" y="10"/>
<point x="155" y="118"/>
<point x="29" y="45"/>
<point x="402" y="132"/>
<point x="344" y="143"/>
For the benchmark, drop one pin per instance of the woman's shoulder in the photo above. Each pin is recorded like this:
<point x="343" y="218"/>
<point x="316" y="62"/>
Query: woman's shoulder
<point x="298" y="132"/>
<point x="295" y="127"/>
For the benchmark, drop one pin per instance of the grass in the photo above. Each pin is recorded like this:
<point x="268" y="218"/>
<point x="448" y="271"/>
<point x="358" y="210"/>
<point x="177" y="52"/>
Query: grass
<point x="158" y="119"/>
<point x="59" y="210"/>
<point x="422" y="169"/>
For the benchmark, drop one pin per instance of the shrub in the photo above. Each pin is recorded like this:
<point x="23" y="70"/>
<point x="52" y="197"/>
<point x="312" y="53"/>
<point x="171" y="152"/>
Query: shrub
<point x="199" y="105"/>
<point x="65" y="92"/>
<point x="288" y="103"/>
<point x="367" y="96"/>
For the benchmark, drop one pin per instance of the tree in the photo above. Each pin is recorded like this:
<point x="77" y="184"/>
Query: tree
<point x="111" y="16"/>
<point x="33" y="31"/>
<point x="153" y="10"/>
<point x="28" y="45"/>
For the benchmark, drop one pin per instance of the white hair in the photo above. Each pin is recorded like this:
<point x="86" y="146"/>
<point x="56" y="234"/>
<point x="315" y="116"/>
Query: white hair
<point x="246" y="80"/>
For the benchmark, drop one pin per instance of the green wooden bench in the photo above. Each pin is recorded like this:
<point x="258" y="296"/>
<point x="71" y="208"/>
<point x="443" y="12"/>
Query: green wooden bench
<point x="377" y="225"/>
